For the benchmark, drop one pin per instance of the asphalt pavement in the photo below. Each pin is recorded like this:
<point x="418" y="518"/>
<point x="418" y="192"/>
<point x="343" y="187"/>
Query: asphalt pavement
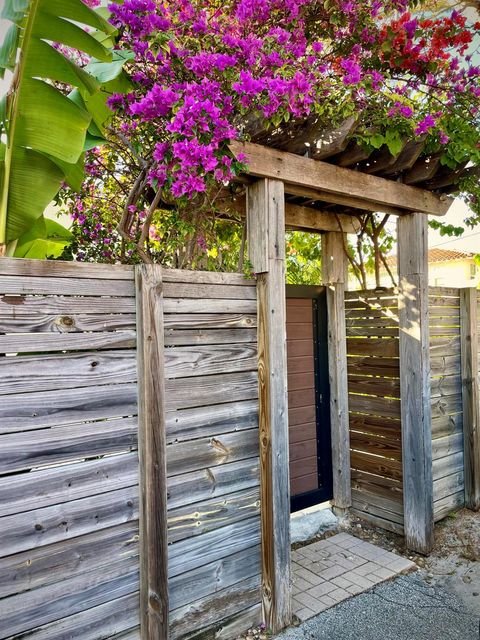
<point x="406" y="608"/>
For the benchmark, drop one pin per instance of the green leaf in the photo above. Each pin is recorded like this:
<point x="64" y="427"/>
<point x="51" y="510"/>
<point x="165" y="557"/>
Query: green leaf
<point x="45" y="239"/>
<point x="8" y="50"/>
<point x="377" y="140"/>
<point x="79" y="12"/>
<point x="46" y="133"/>
<point x="46" y="62"/>
<point x="104" y="72"/>
<point x="58" y="128"/>
<point x="34" y="181"/>
<point x="73" y="173"/>
<point x="394" y="142"/>
<point x="14" y="10"/>
<point x="3" y="114"/>
<point x="49" y="27"/>
<point x="93" y="141"/>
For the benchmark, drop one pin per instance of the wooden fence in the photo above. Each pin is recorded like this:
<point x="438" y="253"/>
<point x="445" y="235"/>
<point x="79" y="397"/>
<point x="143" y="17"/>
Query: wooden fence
<point x="446" y="394"/>
<point x="374" y="402"/>
<point x="68" y="451"/>
<point x="69" y="487"/>
<point x="374" y="407"/>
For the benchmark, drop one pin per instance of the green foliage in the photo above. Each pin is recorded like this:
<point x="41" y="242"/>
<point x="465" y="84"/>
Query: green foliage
<point x="45" y="239"/>
<point x="304" y="258"/>
<point x="45" y="130"/>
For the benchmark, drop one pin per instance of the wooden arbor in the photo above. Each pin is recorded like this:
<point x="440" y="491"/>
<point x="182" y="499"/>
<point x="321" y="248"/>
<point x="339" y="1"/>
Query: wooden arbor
<point x="281" y="173"/>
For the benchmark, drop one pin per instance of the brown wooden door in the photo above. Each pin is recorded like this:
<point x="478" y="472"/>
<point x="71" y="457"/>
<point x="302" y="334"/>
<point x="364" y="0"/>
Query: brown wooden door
<point x="308" y="397"/>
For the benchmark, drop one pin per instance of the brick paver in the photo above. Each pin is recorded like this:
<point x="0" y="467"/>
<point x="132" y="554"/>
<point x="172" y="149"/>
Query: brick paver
<point x="326" y="572"/>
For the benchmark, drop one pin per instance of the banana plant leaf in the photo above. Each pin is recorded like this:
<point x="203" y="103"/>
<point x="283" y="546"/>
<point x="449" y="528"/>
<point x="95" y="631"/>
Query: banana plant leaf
<point x="46" y="130"/>
<point x="46" y="239"/>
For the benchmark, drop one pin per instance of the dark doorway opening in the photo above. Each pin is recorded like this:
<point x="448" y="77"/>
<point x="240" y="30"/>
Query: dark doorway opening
<point x="308" y="397"/>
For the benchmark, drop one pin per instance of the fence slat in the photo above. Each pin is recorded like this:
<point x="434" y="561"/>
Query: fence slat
<point x="54" y="563"/>
<point x="209" y="390"/>
<point x="212" y="577"/>
<point x="182" y="362"/>
<point x="103" y="621"/>
<point x="208" y="305"/>
<point x="212" y="291"/>
<point x="201" y="517"/>
<point x="51" y="408"/>
<point x="61" y="269"/>
<point x="36" y="342"/>
<point x="38" y="489"/>
<point x="66" y="443"/>
<point x="60" y="522"/>
<point x="196" y="486"/>
<point x="61" y="286"/>
<point x="228" y="601"/>
<point x="32" y="609"/>
<point x="65" y="371"/>
<point x="211" y="451"/>
<point x="198" y="422"/>
<point x="223" y="541"/>
<point x="192" y="337"/>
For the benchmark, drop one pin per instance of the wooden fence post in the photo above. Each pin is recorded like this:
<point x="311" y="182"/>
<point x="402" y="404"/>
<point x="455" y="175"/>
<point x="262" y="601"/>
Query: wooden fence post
<point x="266" y="246"/>
<point x="333" y="271"/>
<point x="414" y="339"/>
<point x="469" y="337"/>
<point x="151" y="445"/>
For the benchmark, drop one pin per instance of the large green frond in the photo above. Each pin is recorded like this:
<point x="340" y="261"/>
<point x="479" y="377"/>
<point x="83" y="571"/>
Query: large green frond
<point x="46" y="62"/>
<point x="46" y="131"/>
<point x="49" y="27"/>
<point x="34" y="181"/>
<point x="45" y="239"/>
<point x="57" y="128"/>
<point x="8" y="49"/>
<point x="76" y="10"/>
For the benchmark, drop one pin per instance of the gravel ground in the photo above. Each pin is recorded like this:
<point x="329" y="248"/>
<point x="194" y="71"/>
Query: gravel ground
<point x="407" y="608"/>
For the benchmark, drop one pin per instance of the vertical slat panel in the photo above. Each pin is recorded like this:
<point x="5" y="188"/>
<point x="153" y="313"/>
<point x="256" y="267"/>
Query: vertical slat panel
<point x="152" y="451"/>
<point x="415" y="381"/>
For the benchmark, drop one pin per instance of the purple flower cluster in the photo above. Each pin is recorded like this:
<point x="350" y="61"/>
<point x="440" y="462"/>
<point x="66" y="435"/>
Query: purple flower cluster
<point x="203" y="70"/>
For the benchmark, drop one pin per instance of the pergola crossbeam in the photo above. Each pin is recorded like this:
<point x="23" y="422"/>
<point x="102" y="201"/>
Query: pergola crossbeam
<point x="300" y="218"/>
<point x="331" y="182"/>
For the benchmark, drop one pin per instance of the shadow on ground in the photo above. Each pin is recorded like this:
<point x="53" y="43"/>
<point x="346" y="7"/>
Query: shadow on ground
<point x="405" y="609"/>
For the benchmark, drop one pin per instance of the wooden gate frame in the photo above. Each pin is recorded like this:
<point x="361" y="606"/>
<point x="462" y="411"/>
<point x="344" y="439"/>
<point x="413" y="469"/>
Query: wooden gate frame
<point x="281" y="172"/>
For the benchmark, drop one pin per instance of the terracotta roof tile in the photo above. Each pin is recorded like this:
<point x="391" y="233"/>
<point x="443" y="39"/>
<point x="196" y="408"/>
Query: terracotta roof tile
<point x="440" y="255"/>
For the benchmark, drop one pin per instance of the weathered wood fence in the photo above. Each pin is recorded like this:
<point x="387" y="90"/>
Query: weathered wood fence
<point x="374" y="407"/>
<point x="69" y="470"/>
<point x="372" y="319"/>
<point x="132" y="462"/>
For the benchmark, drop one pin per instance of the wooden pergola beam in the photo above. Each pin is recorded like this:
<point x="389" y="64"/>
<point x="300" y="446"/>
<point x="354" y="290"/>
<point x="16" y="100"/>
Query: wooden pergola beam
<point x="332" y="181"/>
<point x="302" y="218"/>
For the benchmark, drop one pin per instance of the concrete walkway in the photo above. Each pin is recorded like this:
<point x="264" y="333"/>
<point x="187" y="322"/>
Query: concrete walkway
<point x="405" y="609"/>
<point x="329" y="571"/>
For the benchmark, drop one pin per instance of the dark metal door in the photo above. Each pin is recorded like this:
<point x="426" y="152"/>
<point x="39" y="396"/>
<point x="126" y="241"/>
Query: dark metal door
<point x="308" y="397"/>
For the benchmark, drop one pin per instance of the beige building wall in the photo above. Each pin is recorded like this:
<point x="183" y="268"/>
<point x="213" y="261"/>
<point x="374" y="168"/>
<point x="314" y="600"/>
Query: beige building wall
<point x="452" y="273"/>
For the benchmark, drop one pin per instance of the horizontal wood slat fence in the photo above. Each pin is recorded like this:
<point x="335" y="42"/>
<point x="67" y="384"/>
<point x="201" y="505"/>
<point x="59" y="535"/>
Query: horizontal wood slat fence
<point x="68" y="451"/>
<point x="69" y="470"/>
<point x="446" y="393"/>
<point x="374" y="407"/>
<point x="374" y="402"/>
